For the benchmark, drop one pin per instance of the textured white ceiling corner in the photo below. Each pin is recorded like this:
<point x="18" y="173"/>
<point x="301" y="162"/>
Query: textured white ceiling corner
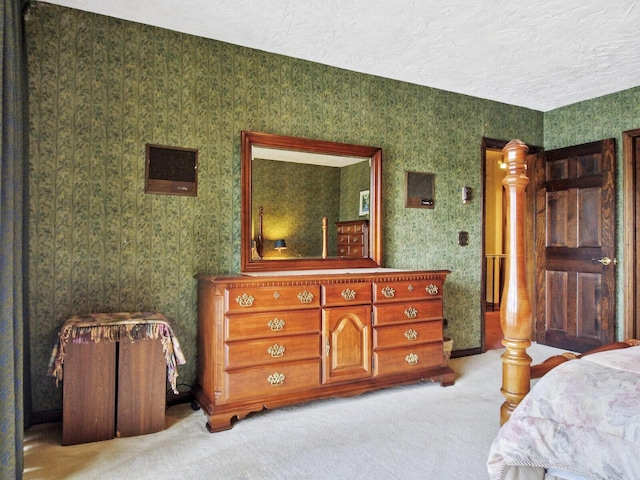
<point x="539" y="54"/>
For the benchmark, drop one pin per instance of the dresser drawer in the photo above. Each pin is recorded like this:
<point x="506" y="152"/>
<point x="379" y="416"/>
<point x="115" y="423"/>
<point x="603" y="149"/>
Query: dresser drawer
<point x="351" y="227"/>
<point x="356" y="251"/>
<point x="406" y="312"/>
<point x="271" y="351"/>
<point x="272" y="324"/>
<point x="409" y="359"/>
<point x="406" y="290"/>
<point x="406" y="334"/>
<point x="272" y="298"/>
<point x="350" y="240"/>
<point x="346" y="294"/>
<point x="271" y="380"/>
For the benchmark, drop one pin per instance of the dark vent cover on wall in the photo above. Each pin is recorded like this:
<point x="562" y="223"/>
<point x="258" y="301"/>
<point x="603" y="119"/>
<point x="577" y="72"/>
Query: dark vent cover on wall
<point x="420" y="190"/>
<point x="171" y="170"/>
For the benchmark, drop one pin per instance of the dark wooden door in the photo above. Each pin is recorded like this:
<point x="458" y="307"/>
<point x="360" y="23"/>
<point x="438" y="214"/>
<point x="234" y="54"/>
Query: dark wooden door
<point x="575" y="243"/>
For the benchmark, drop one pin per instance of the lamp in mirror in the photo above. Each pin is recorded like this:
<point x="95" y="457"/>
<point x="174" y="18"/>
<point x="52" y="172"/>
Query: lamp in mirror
<point x="280" y="245"/>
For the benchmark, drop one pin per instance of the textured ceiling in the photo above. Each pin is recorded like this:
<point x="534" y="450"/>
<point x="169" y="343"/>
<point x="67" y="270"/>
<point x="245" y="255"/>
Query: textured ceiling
<point x="540" y="54"/>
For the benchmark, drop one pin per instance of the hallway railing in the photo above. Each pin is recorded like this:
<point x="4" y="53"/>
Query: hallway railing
<point x="494" y="282"/>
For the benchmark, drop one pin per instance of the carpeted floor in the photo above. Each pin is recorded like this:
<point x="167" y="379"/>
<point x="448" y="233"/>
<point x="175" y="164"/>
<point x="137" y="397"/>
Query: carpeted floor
<point x="421" y="431"/>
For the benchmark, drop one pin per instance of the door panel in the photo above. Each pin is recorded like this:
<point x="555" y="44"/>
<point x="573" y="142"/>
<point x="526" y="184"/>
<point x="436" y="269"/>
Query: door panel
<point x="589" y="288"/>
<point x="557" y="318"/>
<point x="589" y="227"/>
<point x="347" y="342"/>
<point x="559" y="220"/>
<point x="575" y="228"/>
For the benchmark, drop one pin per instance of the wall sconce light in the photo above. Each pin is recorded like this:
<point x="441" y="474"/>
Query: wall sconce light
<point x="280" y="245"/>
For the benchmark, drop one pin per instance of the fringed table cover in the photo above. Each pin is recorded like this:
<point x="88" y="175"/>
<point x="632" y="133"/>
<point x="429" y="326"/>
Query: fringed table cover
<point x="113" y="327"/>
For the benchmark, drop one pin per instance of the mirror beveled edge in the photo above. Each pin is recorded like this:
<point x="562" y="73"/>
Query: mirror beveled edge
<point x="268" y="140"/>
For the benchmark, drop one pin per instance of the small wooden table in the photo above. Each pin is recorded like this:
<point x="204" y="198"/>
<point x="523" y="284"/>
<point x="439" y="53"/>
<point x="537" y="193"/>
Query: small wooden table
<point x="114" y="374"/>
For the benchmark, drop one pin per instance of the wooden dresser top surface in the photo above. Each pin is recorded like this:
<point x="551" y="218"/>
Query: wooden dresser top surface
<point x="336" y="275"/>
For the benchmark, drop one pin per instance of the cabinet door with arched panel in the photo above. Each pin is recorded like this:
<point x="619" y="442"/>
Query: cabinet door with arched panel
<point x="346" y="334"/>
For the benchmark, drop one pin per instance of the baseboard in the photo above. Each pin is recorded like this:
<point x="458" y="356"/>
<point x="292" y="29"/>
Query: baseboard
<point x="466" y="352"/>
<point x="181" y="397"/>
<point x="46" y="416"/>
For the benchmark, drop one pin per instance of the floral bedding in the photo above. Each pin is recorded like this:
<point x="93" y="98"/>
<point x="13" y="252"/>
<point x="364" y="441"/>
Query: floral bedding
<point x="582" y="418"/>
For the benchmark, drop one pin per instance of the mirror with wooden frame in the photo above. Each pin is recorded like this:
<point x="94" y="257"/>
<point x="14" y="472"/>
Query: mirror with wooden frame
<point x="301" y="191"/>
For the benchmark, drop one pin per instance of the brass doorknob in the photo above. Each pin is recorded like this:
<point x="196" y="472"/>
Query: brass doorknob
<point x="605" y="260"/>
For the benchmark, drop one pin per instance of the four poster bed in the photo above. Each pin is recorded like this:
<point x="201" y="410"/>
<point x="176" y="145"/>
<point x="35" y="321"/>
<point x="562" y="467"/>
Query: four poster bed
<point x="581" y="420"/>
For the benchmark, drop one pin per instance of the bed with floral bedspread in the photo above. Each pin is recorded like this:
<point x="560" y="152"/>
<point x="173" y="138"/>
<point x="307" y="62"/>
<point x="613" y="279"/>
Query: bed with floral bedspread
<point x="581" y="420"/>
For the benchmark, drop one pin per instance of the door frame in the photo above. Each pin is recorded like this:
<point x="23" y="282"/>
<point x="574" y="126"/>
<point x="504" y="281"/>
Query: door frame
<point x="631" y="218"/>
<point x="631" y="199"/>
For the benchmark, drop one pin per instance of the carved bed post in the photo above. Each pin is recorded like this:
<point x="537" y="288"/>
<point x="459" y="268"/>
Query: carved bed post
<point x="324" y="237"/>
<point x="515" y="310"/>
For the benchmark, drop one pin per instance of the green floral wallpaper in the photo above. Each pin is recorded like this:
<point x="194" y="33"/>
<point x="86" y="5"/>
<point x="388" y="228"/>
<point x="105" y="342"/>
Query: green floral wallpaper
<point x="353" y="180"/>
<point x="295" y="197"/>
<point x="101" y="88"/>
<point x="604" y="117"/>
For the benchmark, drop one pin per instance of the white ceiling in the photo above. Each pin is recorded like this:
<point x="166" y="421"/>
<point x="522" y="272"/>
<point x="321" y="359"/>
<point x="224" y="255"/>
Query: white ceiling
<point x="539" y="54"/>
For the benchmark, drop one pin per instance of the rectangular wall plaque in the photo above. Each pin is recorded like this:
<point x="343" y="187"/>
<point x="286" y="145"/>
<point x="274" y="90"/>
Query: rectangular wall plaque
<point x="171" y="170"/>
<point x="420" y="190"/>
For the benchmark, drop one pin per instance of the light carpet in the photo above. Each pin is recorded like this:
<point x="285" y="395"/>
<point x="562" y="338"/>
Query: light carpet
<point x="421" y="431"/>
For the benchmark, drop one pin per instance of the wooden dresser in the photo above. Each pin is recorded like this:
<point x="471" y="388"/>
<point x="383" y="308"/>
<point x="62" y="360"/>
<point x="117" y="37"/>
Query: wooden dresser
<point x="267" y="341"/>
<point x="353" y="238"/>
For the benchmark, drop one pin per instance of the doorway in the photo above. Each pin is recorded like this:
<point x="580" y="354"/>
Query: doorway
<point x="493" y="242"/>
<point x="631" y="194"/>
<point x="494" y="232"/>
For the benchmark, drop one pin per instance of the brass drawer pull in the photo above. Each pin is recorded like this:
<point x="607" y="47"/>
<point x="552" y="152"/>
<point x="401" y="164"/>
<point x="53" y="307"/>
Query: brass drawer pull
<point x="411" y="334"/>
<point x="276" y="351"/>
<point x="432" y="289"/>
<point x="411" y="312"/>
<point x="348" y="294"/>
<point x="305" y="297"/>
<point x="245" y="300"/>
<point x="411" y="359"/>
<point x="276" y="324"/>
<point x="276" y="379"/>
<point x="388" y="292"/>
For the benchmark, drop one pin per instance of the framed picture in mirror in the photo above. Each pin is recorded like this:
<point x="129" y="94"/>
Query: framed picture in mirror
<point x="364" y="203"/>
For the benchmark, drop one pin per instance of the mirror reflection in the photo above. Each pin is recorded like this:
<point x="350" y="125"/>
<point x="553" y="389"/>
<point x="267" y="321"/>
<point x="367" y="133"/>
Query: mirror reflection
<point x="293" y="194"/>
<point x="309" y="204"/>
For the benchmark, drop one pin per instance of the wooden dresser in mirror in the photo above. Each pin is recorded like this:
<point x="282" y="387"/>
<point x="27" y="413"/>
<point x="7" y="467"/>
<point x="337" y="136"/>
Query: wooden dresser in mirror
<point x="294" y="328"/>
